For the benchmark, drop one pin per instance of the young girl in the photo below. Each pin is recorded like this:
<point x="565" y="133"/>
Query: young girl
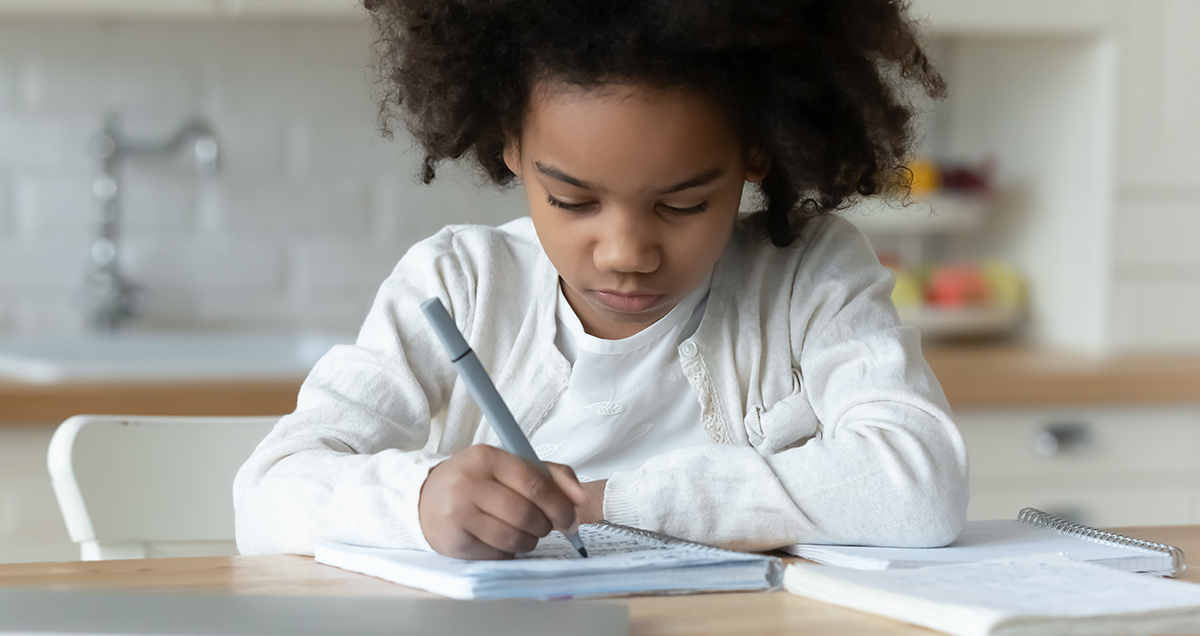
<point x="742" y="382"/>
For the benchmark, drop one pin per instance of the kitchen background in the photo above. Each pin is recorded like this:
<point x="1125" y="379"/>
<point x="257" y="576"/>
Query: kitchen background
<point x="1080" y="115"/>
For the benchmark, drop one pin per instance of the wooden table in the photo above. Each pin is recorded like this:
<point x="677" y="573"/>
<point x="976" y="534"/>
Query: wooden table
<point x="706" y="614"/>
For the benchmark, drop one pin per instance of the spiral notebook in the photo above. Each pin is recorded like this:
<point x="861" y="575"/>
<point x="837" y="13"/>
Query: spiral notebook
<point x="1019" y="596"/>
<point x="623" y="561"/>
<point x="1033" y="533"/>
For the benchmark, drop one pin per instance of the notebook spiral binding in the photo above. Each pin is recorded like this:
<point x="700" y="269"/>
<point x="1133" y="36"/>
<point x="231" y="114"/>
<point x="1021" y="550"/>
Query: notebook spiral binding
<point x="1035" y="517"/>
<point x="774" y="570"/>
<point x="667" y="539"/>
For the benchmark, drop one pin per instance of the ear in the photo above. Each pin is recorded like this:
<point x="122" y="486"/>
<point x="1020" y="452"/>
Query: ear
<point x="512" y="156"/>
<point x="758" y="164"/>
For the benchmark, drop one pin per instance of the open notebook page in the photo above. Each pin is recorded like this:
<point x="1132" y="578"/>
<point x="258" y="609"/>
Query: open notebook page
<point x="619" y="560"/>
<point x="608" y="551"/>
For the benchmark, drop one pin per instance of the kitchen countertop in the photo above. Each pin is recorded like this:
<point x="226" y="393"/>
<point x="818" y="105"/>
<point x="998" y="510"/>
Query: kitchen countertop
<point x="27" y="403"/>
<point x="1013" y="376"/>
<point x="972" y="376"/>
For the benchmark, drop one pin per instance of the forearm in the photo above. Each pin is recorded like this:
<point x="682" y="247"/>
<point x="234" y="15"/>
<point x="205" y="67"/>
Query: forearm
<point x="326" y="494"/>
<point x="873" y="483"/>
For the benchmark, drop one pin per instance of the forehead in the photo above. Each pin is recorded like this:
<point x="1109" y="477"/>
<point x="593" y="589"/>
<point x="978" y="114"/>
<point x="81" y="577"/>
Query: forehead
<point x="630" y="133"/>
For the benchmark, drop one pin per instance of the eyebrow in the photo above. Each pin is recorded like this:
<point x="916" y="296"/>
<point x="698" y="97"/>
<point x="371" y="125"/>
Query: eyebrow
<point x="708" y="176"/>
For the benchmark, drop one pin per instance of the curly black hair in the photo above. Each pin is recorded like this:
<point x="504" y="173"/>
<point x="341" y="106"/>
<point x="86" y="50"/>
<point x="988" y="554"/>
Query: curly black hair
<point x="820" y="85"/>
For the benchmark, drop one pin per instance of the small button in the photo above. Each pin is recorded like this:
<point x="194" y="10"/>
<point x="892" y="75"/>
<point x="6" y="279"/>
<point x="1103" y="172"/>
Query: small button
<point x="688" y="350"/>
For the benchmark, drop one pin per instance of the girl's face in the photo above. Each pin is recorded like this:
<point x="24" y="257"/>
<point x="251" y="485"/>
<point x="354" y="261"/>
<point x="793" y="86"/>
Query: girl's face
<point x="634" y="193"/>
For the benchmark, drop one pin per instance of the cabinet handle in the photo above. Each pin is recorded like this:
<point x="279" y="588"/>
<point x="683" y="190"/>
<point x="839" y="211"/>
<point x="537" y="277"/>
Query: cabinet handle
<point x="1057" y="439"/>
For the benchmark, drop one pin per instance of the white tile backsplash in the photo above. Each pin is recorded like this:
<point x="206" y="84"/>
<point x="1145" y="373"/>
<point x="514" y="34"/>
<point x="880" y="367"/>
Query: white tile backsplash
<point x="336" y="264"/>
<point x="158" y="201"/>
<point x="47" y="268"/>
<point x="7" y="223"/>
<point x="8" y="85"/>
<point x="208" y="264"/>
<point x="47" y="313"/>
<point x="52" y="205"/>
<point x="310" y="213"/>
<point x="34" y="141"/>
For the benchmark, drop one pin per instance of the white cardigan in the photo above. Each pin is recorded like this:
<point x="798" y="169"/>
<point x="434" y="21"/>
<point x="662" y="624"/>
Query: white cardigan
<point x="826" y="424"/>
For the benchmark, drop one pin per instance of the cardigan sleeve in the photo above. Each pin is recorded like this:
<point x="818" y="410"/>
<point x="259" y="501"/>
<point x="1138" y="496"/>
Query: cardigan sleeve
<point x="867" y="452"/>
<point x="348" y="464"/>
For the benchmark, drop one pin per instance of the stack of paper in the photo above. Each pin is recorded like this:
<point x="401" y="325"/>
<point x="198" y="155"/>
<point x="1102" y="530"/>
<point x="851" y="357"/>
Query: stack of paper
<point x="1024" y="596"/>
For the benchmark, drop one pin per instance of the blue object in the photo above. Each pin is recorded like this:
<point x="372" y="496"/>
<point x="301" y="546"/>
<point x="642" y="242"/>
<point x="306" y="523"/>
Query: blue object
<point x="486" y="396"/>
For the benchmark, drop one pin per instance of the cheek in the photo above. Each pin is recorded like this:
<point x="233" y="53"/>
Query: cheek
<point x="706" y="242"/>
<point x="560" y="239"/>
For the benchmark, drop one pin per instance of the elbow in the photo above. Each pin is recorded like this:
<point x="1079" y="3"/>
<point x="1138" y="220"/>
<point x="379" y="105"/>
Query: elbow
<point x="932" y="509"/>
<point x="931" y="516"/>
<point x="935" y="525"/>
<point x="244" y="524"/>
<point x="252" y="524"/>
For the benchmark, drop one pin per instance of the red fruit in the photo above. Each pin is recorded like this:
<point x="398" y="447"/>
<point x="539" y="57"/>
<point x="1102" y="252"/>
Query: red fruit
<point x="956" y="286"/>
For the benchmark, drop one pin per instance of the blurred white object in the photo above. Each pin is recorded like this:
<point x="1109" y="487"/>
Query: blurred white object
<point x="937" y="213"/>
<point x="146" y="357"/>
<point x="963" y="322"/>
<point x="140" y="487"/>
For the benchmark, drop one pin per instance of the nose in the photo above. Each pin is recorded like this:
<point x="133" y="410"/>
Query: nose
<point x="627" y="243"/>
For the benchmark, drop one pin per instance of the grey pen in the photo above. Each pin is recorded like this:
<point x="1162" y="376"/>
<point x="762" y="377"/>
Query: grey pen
<point x="485" y="394"/>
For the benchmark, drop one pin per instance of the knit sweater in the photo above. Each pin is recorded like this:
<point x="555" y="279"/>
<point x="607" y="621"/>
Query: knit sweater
<point x="826" y="424"/>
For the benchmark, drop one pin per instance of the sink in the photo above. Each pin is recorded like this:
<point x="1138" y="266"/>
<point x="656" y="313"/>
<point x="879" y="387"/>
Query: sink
<point x="142" y="357"/>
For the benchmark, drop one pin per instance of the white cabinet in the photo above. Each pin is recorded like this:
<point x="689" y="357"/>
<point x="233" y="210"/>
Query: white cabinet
<point x="1160" y="82"/>
<point x="1111" y="466"/>
<point x="1157" y="270"/>
<point x="1016" y="17"/>
<point x="183" y="8"/>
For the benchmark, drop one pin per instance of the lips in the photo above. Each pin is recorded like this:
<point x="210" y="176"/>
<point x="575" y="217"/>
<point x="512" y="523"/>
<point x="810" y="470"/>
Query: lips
<point x="631" y="303"/>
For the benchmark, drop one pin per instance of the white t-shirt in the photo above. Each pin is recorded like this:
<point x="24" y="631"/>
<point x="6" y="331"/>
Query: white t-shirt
<point x="627" y="400"/>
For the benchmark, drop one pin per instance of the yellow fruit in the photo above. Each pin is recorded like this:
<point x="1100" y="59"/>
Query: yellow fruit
<point x="925" y="177"/>
<point x="907" y="292"/>
<point x="1006" y="284"/>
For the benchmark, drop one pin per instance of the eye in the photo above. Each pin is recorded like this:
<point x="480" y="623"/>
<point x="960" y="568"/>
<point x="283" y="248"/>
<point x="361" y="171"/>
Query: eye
<point x="695" y="209"/>
<point x="570" y="207"/>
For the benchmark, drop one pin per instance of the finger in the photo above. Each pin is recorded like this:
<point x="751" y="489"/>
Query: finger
<point x="508" y="506"/>
<point x="500" y="535"/>
<point x="530" y="483"/>
<point x="565" y="479"/>
<point x="467" y="546"/>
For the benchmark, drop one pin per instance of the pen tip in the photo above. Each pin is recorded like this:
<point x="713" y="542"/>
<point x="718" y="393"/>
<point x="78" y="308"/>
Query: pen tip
<point x="583" y="551"/>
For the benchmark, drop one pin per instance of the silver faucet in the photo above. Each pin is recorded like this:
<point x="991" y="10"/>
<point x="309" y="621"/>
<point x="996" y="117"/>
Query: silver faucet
<point x="108" y="298"/>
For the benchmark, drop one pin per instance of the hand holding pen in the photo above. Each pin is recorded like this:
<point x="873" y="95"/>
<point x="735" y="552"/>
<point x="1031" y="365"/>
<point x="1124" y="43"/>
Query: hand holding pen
<point x="488" y="503"/>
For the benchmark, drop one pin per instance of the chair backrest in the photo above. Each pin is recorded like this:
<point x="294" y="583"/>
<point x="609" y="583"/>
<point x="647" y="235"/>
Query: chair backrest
<point x="134" y="487"/>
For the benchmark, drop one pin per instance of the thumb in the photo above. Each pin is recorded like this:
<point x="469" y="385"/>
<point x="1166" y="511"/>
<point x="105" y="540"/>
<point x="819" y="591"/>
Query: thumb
<point x="564" y="477"/>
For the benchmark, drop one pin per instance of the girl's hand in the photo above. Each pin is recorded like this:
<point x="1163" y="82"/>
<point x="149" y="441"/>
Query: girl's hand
<point x="593" y="510"/>
<point x="486" y="503"/>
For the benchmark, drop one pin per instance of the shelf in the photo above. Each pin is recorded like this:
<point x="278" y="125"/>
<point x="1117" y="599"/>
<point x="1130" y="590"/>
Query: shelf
<point x="962" y="322"/>
<point x="941" y="213"/>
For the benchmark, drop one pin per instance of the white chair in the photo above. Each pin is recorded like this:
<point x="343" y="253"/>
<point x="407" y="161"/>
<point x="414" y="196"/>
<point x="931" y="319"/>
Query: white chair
<point x="138" y="487"/>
